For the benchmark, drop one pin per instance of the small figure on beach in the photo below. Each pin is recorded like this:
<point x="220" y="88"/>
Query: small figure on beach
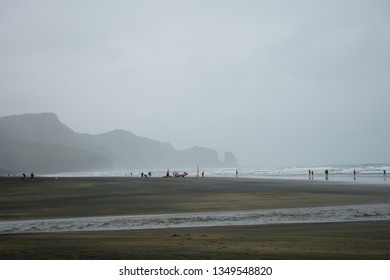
<point x="312" y="175"/>
<point x="384" y="172"/>
<point x="236" y="173"/>
<point x="142" y="175"/>
<point x="32" y="176"/>
<point x="326" y="174"/>
<point x="168" y="175"/>
<point x="203" y="174"/>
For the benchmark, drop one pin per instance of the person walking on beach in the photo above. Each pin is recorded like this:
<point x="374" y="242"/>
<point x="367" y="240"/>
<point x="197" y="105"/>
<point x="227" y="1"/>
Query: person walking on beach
<point x="384" y="172"/>
<point x="236" y="173"/>
<point x="32" y="175"/>
<point x="203" y="174"/>
<point x="311" y="174"/>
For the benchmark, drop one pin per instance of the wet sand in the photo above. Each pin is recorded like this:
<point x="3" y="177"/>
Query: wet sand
<point x="78" y="197"/>
<point x="366" y="240"/>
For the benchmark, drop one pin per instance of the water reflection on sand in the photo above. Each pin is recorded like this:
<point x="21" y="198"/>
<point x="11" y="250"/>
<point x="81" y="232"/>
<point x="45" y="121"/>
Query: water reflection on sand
<point x="368" y="212"/>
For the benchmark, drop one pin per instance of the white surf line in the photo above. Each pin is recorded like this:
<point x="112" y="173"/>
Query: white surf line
<point x="368" y="212"/>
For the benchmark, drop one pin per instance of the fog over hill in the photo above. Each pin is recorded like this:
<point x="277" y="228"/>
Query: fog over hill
<point x="43" y="144"/>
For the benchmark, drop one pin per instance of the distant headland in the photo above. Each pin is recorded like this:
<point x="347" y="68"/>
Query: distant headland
<point x="42" y="143"/>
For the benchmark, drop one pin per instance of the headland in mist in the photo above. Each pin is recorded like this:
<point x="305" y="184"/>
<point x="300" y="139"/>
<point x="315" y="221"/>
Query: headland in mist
<point x="43" y="144"/>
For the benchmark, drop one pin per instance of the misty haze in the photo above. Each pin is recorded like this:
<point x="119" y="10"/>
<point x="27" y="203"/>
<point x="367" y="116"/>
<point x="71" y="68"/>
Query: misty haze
<point x="202" y="129"/>
<point x="42" y="142"/>
<point x="277" y="83"/>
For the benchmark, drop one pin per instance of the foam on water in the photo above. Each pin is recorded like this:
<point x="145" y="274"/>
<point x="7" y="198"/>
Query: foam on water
<point x="369" y="212"/>
<point x="365" y="173"/>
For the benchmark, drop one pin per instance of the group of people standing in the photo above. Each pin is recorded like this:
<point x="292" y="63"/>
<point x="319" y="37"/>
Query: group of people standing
<point x="144" y="175"/>
<point x="24" y="176"/>
<point x="311" y="174"/>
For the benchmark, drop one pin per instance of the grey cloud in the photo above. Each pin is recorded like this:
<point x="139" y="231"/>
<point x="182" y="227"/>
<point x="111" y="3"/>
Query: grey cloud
<point x="276" y="82"/>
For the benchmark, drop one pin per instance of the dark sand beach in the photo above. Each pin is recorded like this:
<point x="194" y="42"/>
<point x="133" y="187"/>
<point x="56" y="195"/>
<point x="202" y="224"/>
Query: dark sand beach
<point x="80" y="197"/>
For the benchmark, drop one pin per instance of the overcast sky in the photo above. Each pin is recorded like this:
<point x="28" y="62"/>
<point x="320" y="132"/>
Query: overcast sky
<point x="278" y="83"/>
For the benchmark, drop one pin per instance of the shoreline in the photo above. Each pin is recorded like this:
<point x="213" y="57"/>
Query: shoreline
<point x="376" y="179"/>
<point x="309" y="215"/>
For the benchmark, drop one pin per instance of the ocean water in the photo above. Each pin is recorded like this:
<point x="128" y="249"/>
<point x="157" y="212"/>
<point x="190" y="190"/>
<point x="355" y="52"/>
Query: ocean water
<point x="369" y="212"/>
<point x="365" y="173"/>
